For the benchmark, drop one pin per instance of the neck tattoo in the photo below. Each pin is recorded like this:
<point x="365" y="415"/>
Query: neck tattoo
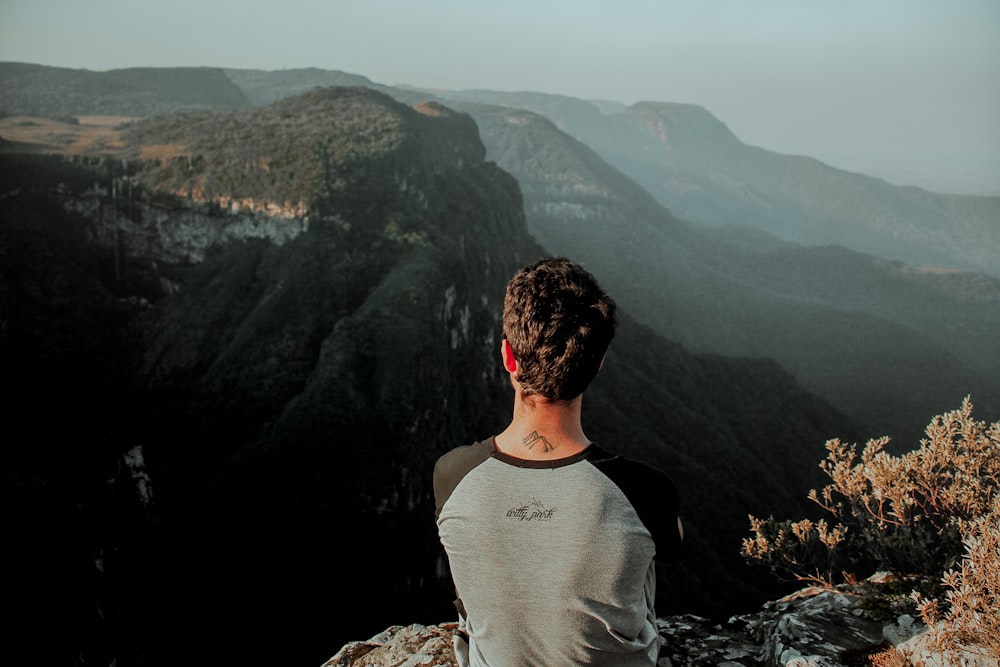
<point x="533" y="439"/>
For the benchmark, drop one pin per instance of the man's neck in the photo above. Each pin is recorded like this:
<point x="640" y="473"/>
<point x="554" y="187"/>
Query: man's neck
<point x="543" y="430"/>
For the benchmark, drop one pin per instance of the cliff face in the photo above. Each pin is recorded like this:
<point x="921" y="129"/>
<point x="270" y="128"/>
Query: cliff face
<point x="319" y="379"/>
<point x="290" y="379"/>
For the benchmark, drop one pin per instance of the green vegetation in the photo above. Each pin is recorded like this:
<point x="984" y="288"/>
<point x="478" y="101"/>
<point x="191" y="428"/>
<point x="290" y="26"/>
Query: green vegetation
<point x="294" y="151"/>
<point x="931" y="517"/>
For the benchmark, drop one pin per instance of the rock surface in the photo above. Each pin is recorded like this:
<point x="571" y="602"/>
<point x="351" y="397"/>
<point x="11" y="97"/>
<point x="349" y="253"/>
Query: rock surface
<point x="411" y="645"/>
<point x="811" y="628"/>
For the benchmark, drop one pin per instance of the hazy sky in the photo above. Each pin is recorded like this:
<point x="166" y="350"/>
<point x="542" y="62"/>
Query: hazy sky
<point x="907" y="89"/>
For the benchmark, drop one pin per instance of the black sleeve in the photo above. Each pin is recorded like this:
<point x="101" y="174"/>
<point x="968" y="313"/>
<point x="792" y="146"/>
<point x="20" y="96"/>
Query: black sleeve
<point x="654" y="497"/>
<point x="453" y="466"/>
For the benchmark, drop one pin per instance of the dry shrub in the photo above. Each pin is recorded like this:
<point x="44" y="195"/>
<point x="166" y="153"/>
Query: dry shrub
<point x="930" y="516"/>
<point x="968" y="617"/>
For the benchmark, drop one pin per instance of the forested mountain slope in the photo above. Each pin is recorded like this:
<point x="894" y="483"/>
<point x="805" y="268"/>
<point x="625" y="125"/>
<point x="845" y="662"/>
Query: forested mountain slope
<point x="234" y="405"/>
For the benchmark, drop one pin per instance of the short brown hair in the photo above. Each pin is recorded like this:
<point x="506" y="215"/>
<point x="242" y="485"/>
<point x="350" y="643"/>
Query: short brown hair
<point x="559" y="323"/>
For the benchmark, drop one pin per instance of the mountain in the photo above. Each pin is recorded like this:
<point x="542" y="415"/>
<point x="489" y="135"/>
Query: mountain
<point x="698" y="169"/>
<point x="263" y="87"/>
<point x="680" y="153"/>
<point x="38" y="90"/>
<point x="882" y="341"/>
<point x="238" y="359"/>
<point x="885" y="341"/>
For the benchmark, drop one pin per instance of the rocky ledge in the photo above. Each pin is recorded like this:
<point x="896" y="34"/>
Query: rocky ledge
<point x="813" y="627"/>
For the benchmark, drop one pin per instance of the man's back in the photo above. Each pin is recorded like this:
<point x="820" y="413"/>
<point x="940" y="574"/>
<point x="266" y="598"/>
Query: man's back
<point x="554" y="559"/>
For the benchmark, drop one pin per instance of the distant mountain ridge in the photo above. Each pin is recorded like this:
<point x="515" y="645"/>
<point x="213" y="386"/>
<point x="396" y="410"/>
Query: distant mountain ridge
<point x="698" y="169"/>
<point x="37" y="90"/>
<point x="266" y="86"/>
<point x="680" y="153"/>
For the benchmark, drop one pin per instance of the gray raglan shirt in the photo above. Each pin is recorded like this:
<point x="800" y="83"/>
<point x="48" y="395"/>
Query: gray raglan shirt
<point x="553" y="560"/>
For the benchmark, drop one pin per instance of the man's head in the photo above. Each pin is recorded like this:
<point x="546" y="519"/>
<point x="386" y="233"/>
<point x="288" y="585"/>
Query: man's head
<point x="559" y="324"/>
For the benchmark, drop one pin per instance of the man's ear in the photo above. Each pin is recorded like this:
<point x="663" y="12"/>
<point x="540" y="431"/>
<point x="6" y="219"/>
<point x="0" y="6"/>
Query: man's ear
<point x="507" y="354"/>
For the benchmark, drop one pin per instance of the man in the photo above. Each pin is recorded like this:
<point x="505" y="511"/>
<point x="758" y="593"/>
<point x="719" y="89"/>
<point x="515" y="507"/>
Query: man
<point x="550" y="539"/>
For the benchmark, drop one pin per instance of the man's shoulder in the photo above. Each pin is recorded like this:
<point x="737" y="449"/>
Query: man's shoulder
<point x="453" y="465"/>
<point x="464" y="455"/>
<point x="622" y="468"/>
<point x="652" y="494"/>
